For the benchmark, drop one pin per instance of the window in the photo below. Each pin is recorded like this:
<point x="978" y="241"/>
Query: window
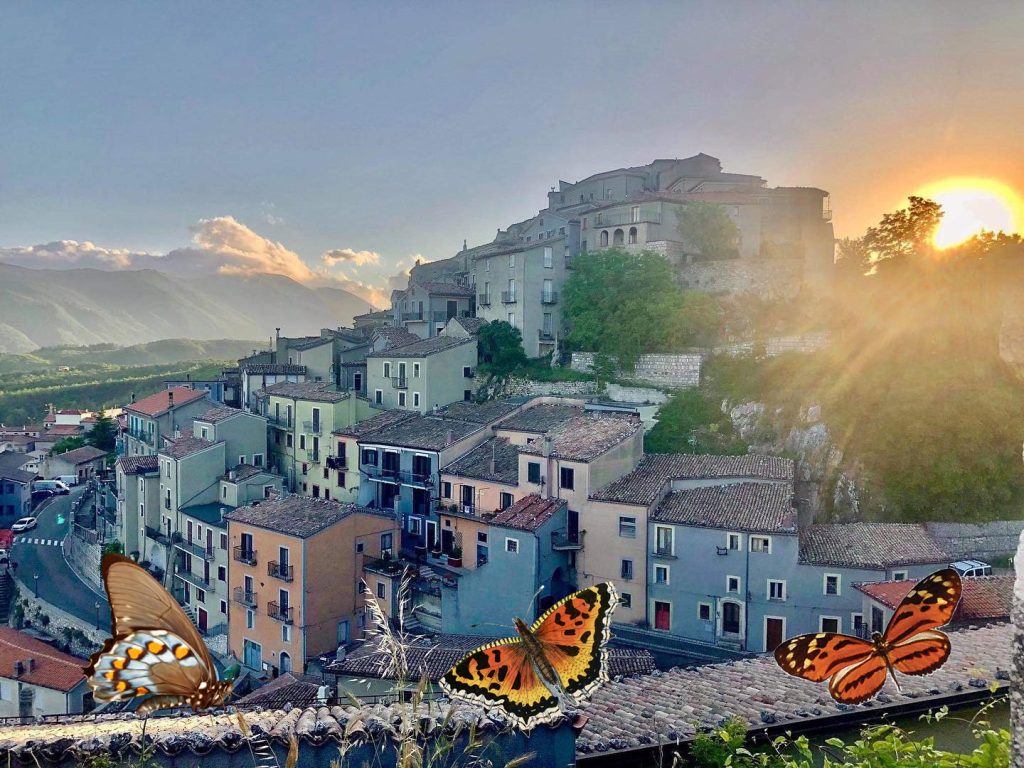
<point x="415" y="525"/>
<point x="506" y="500"/>
<point x="386" y="544"/>
<point x="604" y="238"/>
<point x="776" y="589"/>
<point x="223" y="491"/>
<point x="549" y="261"/>
<point x="704" y="611"/>
<point x="663" y="540"/>
<point x="627" y="527"/>
<point x="857" y="624"/>
<point x="446" y="490"/>
<point x="831" y="584"/>
<point x="200" y="595"/>
<point x="512" y="319"/>
<point x="626" y="569"/>
<point x="481" y="537"/>
<point x="512" y="546"/>
<point x="533" y="472"/>
<point x="302" y="442"/>
<point x="734" y="542"/>
<point x="257" y="459"/>
<point x="286" y="637"/>
<point x="566" y="478"/>
<point x="305" y="469"/>
<point x="830" y="624"/>
<point x="387" y="370"/>
<point x="549" y="290"/>
<point x="632" y="235"/>
<point x="732" y="584"/>
<point x="222" y="573"/>
<point x="223" y="606"/>
<point x="416" y="370"/>
<point x="511" y="261"/>
<point x="382" y="590"/>
<point x="661" y="574"/>
<point x="224" y="541"/>
<point x="370" y="456"/>
<point x="467" y="372"/>
<point x="359" y="547"/>
<point x="415" y="399"/>
<point x="761" y="544"/>
<point x="487" y="265"/>
<point x="625" y="599"/>
<point x="899" y="575"/>
<point x="401" y="399"/>
<point x="250" y="619"/>
<point x="378" y="397"/>
<point x="204" y="433"/>
<point x="288" y="440"/>
<point x="634" y="214"/>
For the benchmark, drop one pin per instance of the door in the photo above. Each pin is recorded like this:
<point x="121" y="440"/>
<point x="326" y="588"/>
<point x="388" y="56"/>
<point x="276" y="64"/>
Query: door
<point x="357" y="382"/>
<point x="573" y="525"/>
<point x="201" y="620"/>
<point x="662" y="615"/>
<point x="467" y="496"/>
<point x="343" y="632"/>
<point x="209" y="541"/>
<point x="730" y="618"/>
<point x="252" y="655"/>
<point x="452" y="309"/>
<point x="431" y="534"/>
<point x="189" y="535"/>
<point x="286" y="662"/>
<point x="773" y="631"/>
<point x="877" y="619"/>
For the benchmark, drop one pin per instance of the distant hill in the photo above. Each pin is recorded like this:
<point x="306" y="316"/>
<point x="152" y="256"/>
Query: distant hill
<point x="153" y="353"/>
<point x="48" y="308"/>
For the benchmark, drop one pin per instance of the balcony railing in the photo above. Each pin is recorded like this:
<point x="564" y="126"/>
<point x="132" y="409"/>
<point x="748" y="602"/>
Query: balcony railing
<point x="280" y="421"/>
<point x="483" y="300"/>
<point x="382" y="473"/>
<point x="195" y="548"/>
<point x="157" y="535"/>
<point x="421" y="479"/>
<point x="664" y="552"/>
<point x="283" y="613"/>
<point x="194" y="579"/>
<point x="245" y="597"/>
<point x="442" y="316"/>
<point x="549" y="297"/>
<point x="247" y="556"/>
<point x="281" y="571"/>
<point x="564" y="540"/>
<point x="407" y="316"/>
<point x="335" y="462"/>
<point x="399" y="382"/>
<point x="313" y="427"/>
<point x="625" y="218"/>
<point x="508" y="297"/>
<point x="545" y="335"/>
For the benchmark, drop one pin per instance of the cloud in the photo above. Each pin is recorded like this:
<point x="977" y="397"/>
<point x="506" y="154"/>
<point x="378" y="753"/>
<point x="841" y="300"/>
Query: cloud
<point x="72" y="254"/>
<point x="349" y="256"/>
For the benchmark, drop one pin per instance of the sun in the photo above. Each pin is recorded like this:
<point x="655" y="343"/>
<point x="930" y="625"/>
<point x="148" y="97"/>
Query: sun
<point x="972" y="205"/>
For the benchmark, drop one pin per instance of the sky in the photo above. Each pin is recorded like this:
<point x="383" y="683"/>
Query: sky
<point x="338" y="142"/>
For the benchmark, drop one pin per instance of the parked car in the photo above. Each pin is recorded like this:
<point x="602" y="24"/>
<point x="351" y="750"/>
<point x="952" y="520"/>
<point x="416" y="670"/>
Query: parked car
<point x="25" y="524"/>
<point x="971" y="568"/>
<point x="54" y="486"/>
<point x="69" y="480"/>
<point x="42" y="495"/>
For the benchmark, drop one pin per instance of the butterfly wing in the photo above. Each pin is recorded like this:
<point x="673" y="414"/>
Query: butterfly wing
<point x="922" y="654"/>
<point x="138" y="602"/>
<point x="501" y="675"/>
<point x="859" y="681"/>
<point x="930" y="604"/>
<point x="821" y="655"/>
<point x="573" y="634"/>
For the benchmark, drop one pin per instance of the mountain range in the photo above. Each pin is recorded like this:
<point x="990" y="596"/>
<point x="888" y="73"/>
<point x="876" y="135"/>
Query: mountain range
<point x="52" y="307"/>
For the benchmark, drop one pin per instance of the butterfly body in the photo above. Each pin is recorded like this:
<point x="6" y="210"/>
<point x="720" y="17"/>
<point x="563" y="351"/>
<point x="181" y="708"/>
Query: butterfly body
<point x="155" y="652"/>
<point x="560" y="657"/>
<point x="911" y="644"/>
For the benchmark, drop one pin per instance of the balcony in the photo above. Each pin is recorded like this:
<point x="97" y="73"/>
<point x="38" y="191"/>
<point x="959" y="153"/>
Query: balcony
<point x="483" y="300"/>
<point x="441" y="316"/>
<point x="665" y="553"/>
<point x="336" y="462"/>
<point x="313" y="427"/>
<point x="389" y="474"/>
<point x="283" y="613"/>
<point x="247" y="556"/>
<point x="412" y="316"/>
<point x="158" y="536"/>
<point x="200" y="582"/>
<point x="195" y="548"/>
<point x="399" y="382"/>
<point x="549" y="297"/>
<point x="564" y="540"/>
<point x="281" y="422"/>
<point x="625" y="218"/>
<point x="826" y="215"/>
<point x="508" y="297"/>
<point x="281" y="571"/>
<point x="245" y="597"/>
<point x="544" y="335"/>
<point x="417" y="479"/>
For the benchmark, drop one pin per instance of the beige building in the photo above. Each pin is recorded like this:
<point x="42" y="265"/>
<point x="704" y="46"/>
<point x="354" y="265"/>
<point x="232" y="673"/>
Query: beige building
<point x="295" y="568"/>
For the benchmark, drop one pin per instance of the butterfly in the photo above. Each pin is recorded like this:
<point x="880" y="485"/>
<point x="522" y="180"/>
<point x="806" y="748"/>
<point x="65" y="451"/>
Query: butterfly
<point x="911" y="644"/>
<point x="156" y="651"/>
<point x="561" y="655"/>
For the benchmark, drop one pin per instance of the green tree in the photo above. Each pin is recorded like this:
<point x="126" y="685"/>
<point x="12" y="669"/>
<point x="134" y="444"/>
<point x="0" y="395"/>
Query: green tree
<point x="68" y="444"/>
<point x="707" y="229"/>
<point x="103" y="434"/>
<point x="500" y="348"/>
<point x="113" y="548"/>
<point x="905" y="232"/>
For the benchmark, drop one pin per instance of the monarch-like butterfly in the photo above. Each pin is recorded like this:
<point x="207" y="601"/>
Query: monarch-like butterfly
<point x="911" y="644"/>
<point x="155" y="651"/>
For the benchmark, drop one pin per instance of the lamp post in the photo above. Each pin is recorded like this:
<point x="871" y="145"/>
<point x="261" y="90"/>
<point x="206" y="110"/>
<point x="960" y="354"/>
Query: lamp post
<point x="35" y="578"/>
<point x="96" y="605"/>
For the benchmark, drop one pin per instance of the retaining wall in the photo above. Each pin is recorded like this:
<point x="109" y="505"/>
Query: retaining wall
<point x="978" y="540"/>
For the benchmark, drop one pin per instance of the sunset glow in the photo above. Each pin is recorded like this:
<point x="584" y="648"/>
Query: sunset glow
<point x="971" y="206"/>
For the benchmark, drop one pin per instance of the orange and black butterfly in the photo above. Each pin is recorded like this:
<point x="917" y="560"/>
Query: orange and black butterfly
<point x="155" y="651"/>
<point x="561" y="655"/>
<point x="911" y="644"/>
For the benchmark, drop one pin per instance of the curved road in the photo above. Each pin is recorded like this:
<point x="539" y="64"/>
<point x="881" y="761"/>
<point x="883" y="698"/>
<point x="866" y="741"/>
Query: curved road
<point x="40" y="551"/>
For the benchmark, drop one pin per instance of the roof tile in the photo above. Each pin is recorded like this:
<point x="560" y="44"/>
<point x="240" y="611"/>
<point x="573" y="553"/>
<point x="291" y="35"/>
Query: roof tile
<point x="160" y="403"/>
<point x="299" y="516"/>
<point x="869" y="545"/>
<point x="985" y="598"/>
<point x="764" y="507"/>
<point x="53" y="669"/>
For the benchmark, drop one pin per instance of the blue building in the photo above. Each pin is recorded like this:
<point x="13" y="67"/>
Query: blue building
<point x="15" y="488"/>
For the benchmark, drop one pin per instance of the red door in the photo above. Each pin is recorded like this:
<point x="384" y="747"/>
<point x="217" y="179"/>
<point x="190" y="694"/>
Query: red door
<point x="662" y="615"/>
<point x="201" y="620"/>
<point x="772" y="634"/>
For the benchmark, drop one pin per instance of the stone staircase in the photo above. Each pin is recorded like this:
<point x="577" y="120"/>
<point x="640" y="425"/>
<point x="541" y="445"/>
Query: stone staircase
<point x="6" y="591"/>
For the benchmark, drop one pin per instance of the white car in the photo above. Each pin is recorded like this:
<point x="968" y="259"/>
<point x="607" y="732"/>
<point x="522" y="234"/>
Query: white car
<point x="25" y="524"/>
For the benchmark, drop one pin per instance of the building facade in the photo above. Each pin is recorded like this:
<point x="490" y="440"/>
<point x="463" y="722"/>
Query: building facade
<point x="161" y="415"/>
<point x="423" y="375"/>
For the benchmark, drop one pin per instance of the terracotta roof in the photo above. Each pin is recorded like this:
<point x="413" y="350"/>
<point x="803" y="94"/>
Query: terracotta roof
<point x="478" y="413"/>
<point x="985" y="598"/>
<point x="528" y="514"/>
<point x="187" y="444"/>
<point x="53" y="669"/>
<point x="18" y="439"/>
<point x="540" y="418"/>
<point x="268" y="369"/>
<point x="283" y="692"/>
<point x="429" y="433"/>
<point x="298" y="516"/>
<point x="134" y="465"/>
<point x="764" y="507"/>
<point x="642" y="485"/>
<point x="315" y="391"/>
<point x="425" y="347"/>
<point x="218" y="414"/>
<point x="869" y="545"/>
<point x="582" y="438"/>
<point x="372" y="424"/>
<point x="477" y="462"/>
<point x="81" y="455"/>
<point x="664" y="707"/>
<point x="160" y="403"/>
<point x="432" y="656"/>
<point x="62" y="430"/>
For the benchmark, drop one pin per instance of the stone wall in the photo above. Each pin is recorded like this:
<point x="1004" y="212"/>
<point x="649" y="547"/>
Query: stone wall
<point x="661" y="370"/>
<point x="59" y="619"/>
<point x="1017" y="688"/>
<point x="515" y="386"/>
<point x="620" y="394"/>
<point x="778" y="345"/>
<point x="774" y="278"/>
<point x="84" y="558"/>
<point x="978" y="540"/>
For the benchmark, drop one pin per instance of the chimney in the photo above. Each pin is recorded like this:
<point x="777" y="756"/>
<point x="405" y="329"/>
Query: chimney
<point x="19" y="668"/>
<point x="545" y="450"/>
<point x="494" y="458"/>
<point x="133" y="397"/>
<point x="31" y="665"/>
<point x="449" y="437"/>
<point x="188" y="377"/>
<point x="170" y="398"/>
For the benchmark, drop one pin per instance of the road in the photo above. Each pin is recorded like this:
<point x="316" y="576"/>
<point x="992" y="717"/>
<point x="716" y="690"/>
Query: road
<point x="35" y="553"/>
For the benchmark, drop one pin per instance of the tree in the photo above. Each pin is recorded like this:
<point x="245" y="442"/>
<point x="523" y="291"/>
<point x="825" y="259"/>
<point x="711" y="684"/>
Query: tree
<point x="500" y="347"/>
<point x="68" y="444"/>
<point x="103" y="435"/>
<point x="707" y="229"/>
<point x="905" y="232"/>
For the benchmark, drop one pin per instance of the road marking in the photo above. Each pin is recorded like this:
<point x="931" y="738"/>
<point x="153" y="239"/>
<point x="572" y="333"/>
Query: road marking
<point x="38" y="541"/>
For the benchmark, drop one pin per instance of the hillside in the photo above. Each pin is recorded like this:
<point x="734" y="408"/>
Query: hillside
<point x="46" y="308"/>
<point x="163" y="352"/>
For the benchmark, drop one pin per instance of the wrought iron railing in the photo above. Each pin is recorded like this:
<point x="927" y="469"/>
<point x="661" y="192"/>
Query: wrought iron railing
<point x="247" y="556"/>
<point x="281" y="571"/>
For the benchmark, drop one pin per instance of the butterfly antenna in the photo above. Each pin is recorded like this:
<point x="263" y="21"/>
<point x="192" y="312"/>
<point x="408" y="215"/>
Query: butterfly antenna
<point x="533" y="600"/>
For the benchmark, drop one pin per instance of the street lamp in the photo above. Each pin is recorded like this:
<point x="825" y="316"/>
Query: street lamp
<point x="97" y="606"/>
<point x="35" y="578"/>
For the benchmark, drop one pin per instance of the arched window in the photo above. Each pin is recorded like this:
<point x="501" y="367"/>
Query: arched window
<point x="286" y="662"/>
<point x="632" y="235"/>
<point x="618" y="238"/>
<point x="604" y="238"/>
